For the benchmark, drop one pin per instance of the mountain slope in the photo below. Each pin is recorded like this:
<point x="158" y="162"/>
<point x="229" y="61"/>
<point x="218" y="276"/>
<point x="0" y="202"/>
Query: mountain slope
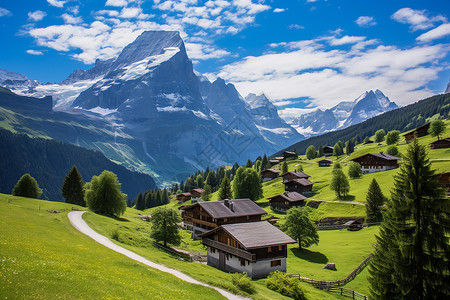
<point x="404" y="118"/>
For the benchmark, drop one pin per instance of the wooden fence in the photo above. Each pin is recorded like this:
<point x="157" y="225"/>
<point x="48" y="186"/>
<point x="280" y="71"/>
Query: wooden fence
<point x="342" y="226"/>
<point x="335" y="286"/>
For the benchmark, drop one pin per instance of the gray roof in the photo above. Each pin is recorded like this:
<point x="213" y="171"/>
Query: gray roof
<point x="380" y="155"/>
<point x="291" y="196"/>
<point x="302" y="181"/>
<point x="271" y="171"/>
<point x="257" y="234"/>
<point x="241" y="207"/>
<point x="297" y="174"/>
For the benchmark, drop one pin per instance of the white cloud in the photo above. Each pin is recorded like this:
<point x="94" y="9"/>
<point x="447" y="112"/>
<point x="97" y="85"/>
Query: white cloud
<point x="132" y="12"/>
<point x="296" y="26"/>
<point x="57" y="3"/>
<point x="198" y="51"/>
<point x="436" y="33"/>
<point x="34" y="52"/>
<point x="69" y="19"/>
<point x="36" y="15"/>
<point x="324" y="76"/>
<point x="279" y="10"/>
<point x="366" y="21"/>
<point x="346" y="40"/>
<point x="294" y="112"/>
<point x="117" y="3"/>
<point x="417" y="19"/>
<point x="4" y="12"/>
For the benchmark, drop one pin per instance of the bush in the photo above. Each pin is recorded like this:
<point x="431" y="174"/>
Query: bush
<point x="27" y="186"/>
<point x="288" y="286"/>
<point x="243" y="282"/>
<point x="392" y="150"/>
<point x="354" y="170"/>
<point x="393" y="137"/>
<point x="311" y="152"/>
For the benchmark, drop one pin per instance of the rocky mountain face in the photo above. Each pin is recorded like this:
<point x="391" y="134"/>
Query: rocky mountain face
<point x="166" y="120"/>
<point x="12" y="80"/>
<point x="345" y="114"/>
<point x="447" y="90"/>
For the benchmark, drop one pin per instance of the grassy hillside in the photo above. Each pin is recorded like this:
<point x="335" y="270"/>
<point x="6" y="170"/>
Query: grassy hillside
<point x="403" y="119"/>
<point x="42" y="256"/>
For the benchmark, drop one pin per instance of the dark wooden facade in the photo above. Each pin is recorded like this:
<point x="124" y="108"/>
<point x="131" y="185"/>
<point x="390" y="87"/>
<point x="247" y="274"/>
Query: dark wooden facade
<point x="289" y="154"/>
<point x="269" y="174"/>
<point x="419" y="132"/>
<point x="183" y="197"/>
<point x="298" y="185"/>
<point x="197" y="193"/>
<point x="325" y="163"/>
<point x="328" y="151"/>
<point x="444" y="179"/>
<point x="294" y="175"/>
<point x="376" y="162"/>
<point x="286" y="201"/>
<point x="440" y="144"/>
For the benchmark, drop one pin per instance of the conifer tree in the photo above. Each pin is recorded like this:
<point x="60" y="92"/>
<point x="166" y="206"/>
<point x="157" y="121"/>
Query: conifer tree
<point x="418" y="220"/>
<point x="225" y="189"/>
<point x="375" y="199"/>
<point x="320" y="150"/>
<point x="206" y="195"/>
<point x="73" y="188"/>
<point x="249" y="164"/>
<point x="264" y="162"/>
<point x="284" y="168"/>
<point x="140" y="202"/>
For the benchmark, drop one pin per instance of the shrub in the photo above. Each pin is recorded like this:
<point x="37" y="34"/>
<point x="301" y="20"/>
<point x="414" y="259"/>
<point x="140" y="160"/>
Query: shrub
<point x="354" y="170"/>
<point x="27" y="186"/>
<point x="393" y="137"/>
<point x="285" y="285"/>
<point x="243" y="282"/>
<point x="392" y="150"/>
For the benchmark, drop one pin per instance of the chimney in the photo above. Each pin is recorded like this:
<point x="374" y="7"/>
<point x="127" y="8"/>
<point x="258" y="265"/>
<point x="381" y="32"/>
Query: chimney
<point x="231" y="206"/>
<point x="226" y="202"/>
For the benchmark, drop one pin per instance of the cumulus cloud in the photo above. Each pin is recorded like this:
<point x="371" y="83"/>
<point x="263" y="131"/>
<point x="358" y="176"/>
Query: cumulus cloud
<point x="197" y="51"/>
<point x="69" y="19"/>
<point x="34" y="52"/>
<point x="296" y="26"/>
<point x="417" y="19"/>
<point x="57" y="3"/>
<point x="436" y="33"/>
<point x="279" y="10"/>
<point x="36" y="15"/>
<point x="366" y="21"/>
<point x="324" y="76"/>
<point x="4" y="12"/>
<point x="117" y="3"/>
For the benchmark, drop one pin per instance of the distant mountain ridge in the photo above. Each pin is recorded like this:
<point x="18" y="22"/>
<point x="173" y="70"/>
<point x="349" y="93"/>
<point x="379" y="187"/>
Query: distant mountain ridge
<point x="344" y="114"/>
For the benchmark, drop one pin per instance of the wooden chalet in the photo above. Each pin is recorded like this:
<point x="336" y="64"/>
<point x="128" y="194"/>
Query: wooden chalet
<point x="294" y="175"/>
<point x="256" y="248"/>
<point x="325" y="163"/>
<point x="328" y="151"/>
<point x="196" y="194"/>
<point x="440" y="144"/>
<point x="269" y="174"/>
<point x="280" y="158"/>
<point x="289" y="154"/>
<point x="203" y="216"/>
<point x="444" y="179"/>
<point x="287" y="200"/>
<point x="353" y="225"/>
<point x="419" y="132"/>
<point x="183" y="197"/>
<point x="299" y="185"/>
<point x="274" y="161"/>
<point x="376" y="162"/>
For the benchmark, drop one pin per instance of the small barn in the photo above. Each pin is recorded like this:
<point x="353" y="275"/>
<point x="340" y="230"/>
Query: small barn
<point x="353" y="225"/>
<point x="299" y="185"/>
<point x="376" y="162"/>
<point x="294" y="175"/>
<point x="196" y="194"/>
<point x="285" y="201"/>
<point x="183" y="197"/>
<point x="269" y="174"/>
<point x="419" y="132"/>
<point x="328" y="151"/>
<point x="325" y="163"/>
<point x="440" y="144"/>
<point x="289" y="154"/>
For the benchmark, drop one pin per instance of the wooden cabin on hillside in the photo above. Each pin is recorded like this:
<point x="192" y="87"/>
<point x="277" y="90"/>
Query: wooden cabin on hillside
<point x="299" y="185"/>
<point x="269" y="174"/>
<point x="287" y="200"/>
<point x="203" y="216"/>
<point x="328" y="151"/>
<point x="196" y="195"/>
<point x="294" y="175"/>
<point x="289" y="154"/>
<point x="444" y="179"/>
<point x="325" y="163"/>
<point x="183" y="197"/>
<point x="353" y="225"/>
<point x="419" y="132"/>
<point x="256" y="248"/>
<point x="376" y="162"/>
<point x="440" y="144"/>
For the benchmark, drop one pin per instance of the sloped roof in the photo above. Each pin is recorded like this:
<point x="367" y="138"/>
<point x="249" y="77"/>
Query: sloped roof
<point x="423" y="127"/>
<point x="380" y="155"/>
<point x="290" y="196"/>
<point x="200" y="191"/>
<point x="271" y="171"/>
<point x="297" y="174"/>
<point x="302" y="181"/>
<point x="325" y="161"/>
<point x="256" y="234"/>
<point x="184" y="194"/>
<point x="441" y="140"/>
<point x="290" y="152"/>
<point x="241" y="207"/>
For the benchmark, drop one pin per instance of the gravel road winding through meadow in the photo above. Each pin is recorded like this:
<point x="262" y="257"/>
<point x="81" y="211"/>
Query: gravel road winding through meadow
<point x="77" y="221"/>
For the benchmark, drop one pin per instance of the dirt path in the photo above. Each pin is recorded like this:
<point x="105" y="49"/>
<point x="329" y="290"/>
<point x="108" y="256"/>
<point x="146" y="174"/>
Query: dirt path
<point x="77" y="221"/>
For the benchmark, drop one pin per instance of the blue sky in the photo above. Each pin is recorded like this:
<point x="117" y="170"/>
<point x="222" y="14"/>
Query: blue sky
<point x="302" y="53"/>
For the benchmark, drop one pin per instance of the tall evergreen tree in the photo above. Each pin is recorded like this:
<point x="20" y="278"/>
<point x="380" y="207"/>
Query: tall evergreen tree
<point x="140" y="202"/>
<point x="375" y="199"/>
<point x="320" y="151"/>
<point x="284" y="167"/>
<point x="225" y="189"/>
<point x="418" y="219"/>
<point x="264" y="161"/>
<point x="249" y="164"/>
<point x="73" y="188"/>
<point x="207" y="194"/>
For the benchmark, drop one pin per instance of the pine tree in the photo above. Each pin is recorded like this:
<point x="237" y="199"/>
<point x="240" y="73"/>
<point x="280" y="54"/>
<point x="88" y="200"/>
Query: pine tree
<point x="206" y="195"/>
<point x="320" y="151"/>
<point x="284" y="168"/>
<point x="27" y="186"/>
<point x="140" y="202"/>
<point x="73" y="188"/>
<point x="375" y="199"/>
<point x="225" y="189"/>
<point x="249" y="164"/>
<point x="418" y="219"/>
<point x="264" y="161"/>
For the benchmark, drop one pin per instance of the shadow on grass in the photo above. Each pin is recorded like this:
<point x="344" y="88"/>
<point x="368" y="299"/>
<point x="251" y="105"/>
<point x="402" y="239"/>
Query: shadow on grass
<point x="120" y="219"/>
<point x="314" y="257"/>
<point x="347" y="198"/>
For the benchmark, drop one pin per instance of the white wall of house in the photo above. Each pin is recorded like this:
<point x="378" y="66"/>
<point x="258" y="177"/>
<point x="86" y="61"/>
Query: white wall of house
<point x="374" y="169"/>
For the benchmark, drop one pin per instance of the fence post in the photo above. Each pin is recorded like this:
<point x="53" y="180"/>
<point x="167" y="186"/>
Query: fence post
<point x="353" y="293"/>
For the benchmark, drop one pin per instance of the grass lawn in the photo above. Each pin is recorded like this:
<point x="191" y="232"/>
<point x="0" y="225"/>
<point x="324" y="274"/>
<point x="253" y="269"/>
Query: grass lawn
<point x="44" y="257"/>
<point x="141" y="244"/>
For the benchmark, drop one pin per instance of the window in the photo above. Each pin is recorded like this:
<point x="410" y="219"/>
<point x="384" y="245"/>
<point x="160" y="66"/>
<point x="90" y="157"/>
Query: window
<point x="242" y="262"/>
<point x="280" y="247"/>
<point x="269" y="249"/>
<point x="275" y="263"/>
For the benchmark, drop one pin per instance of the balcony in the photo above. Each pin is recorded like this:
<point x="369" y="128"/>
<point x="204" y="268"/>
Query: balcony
<point x="231" y="250"/>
